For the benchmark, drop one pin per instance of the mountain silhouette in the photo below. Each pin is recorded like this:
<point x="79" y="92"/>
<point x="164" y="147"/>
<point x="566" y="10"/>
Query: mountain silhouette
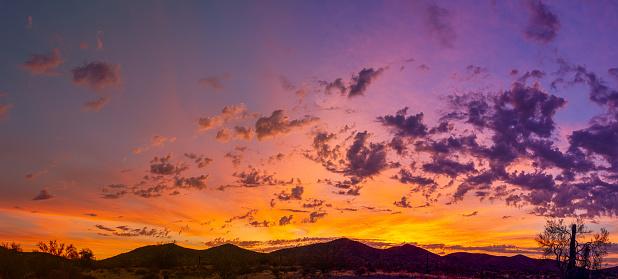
<point x="337" y="254"/>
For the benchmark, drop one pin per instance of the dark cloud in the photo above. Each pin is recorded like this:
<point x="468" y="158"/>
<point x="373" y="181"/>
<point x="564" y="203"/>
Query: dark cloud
<point x="600" y="93"/>
<point x="314" y="217"/>
<point x="129" y="232"/>
<point x="471" y="214"/>
<point x="543" y="25"/>
<point x="295" y="194"/>
<point x="403" y="203"/>
<point x="285" y="220"/>
<point x="264" y="224"/>
<point x="224" y="135"/>
<point x="249" y="216"/>
<point x="536" y="74"/>
<point x="314" y="203"/>
<point x="361" y="82"/>
<point x="472" y="73"/>
<point x="256" y="178"/>
<point x="613" y="72"/>
<point x="423" y="67"/>
<point x="98" y="76"/>
<point x="399" y="145"/>
<point x="438" y="22"/>
<point x="411" y="126"/>
<point x="200" y="160"/>
<point x="43" y="195"/>
<point x="43" y="64"/>
<point x="364" y="160"/>
<point x="197" y="182"/>
<point x="278" y="123"/>
<point x="448" y="167"/>
<point x="277" y="157"/>
<point x="237" y="154"/>
<point x="336" y="85"/>
<point x="163" y="166"/>
<point x="215" y="82"/>
<point x="101" y="227"/>
<point x="242" y="132"/>
<point x="91" y="214"/>
<point x="115" y="196"/>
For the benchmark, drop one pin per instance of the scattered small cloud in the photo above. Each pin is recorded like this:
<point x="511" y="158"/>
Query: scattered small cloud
<point x="98" y="76"/>
<point x="44" y="64"/>
<point x="95" y="105"/>
<point x="278" y="123"/>
<point x="99" y="42"/>
<point x="43" y="195"/>
<point x="215" y="82"/>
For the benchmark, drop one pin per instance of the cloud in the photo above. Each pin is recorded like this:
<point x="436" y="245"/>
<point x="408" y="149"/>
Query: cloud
<point x="295" y="194"/>
<point x="215" y="82"/>
<point x="99" y="42"/>
<point x="285" y="220"/>
<point x="472" y="73"/>
<point x="536" y="74"/>
<point x="278" y="123"/>
<point x="403" y="203"/>
<point x="313" y="203"/>
<point x="448" y="167"/>
<point x="543" y="25"/>
<point x="314" y="217"/>
<point x="162" y="166"/>
<point x="99" y="76"/>
<point x="43" y="195"/>
<point x="229" y="113"/>
<point x="361" y="82"/>
<point x="471" y="214"/>
<point x="125" y="231"/>
<point x="249" y="216"/>
<point x="197" y="182"/>
<point x="402" y="126"/>
<point x="337" y="85"/>
<point x="4" y="111"/>
<point x="157" y="141"/>
<point x="91" y="214"/>
<point x="95" y="105"/>
<point x="241" y="132"/>
<point x="224" y="135"/>
<point x="101" y="227"/>
<point x="115" y="196"/>
<point x="256" y="178"/>
<point x="438" y="22"/>
<point x="200" y="160"/>
<point x="236" y="155"/>
<point x="43" y="64"/>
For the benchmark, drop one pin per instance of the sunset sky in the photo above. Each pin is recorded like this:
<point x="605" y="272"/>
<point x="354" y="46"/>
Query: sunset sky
<point x="453" y="125"/>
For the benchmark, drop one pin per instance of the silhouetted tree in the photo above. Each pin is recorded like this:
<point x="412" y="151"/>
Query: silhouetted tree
<point x="566" y="244"/>
<point x="12" y="246"/>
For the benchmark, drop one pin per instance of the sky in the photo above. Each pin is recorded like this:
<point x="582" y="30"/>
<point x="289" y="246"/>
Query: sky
<point x="451" y="125"/>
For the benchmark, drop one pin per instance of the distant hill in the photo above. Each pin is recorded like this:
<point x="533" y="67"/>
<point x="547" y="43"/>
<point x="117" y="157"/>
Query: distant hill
<point x="171" y="254"/>
<point x="340" y="253"/>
